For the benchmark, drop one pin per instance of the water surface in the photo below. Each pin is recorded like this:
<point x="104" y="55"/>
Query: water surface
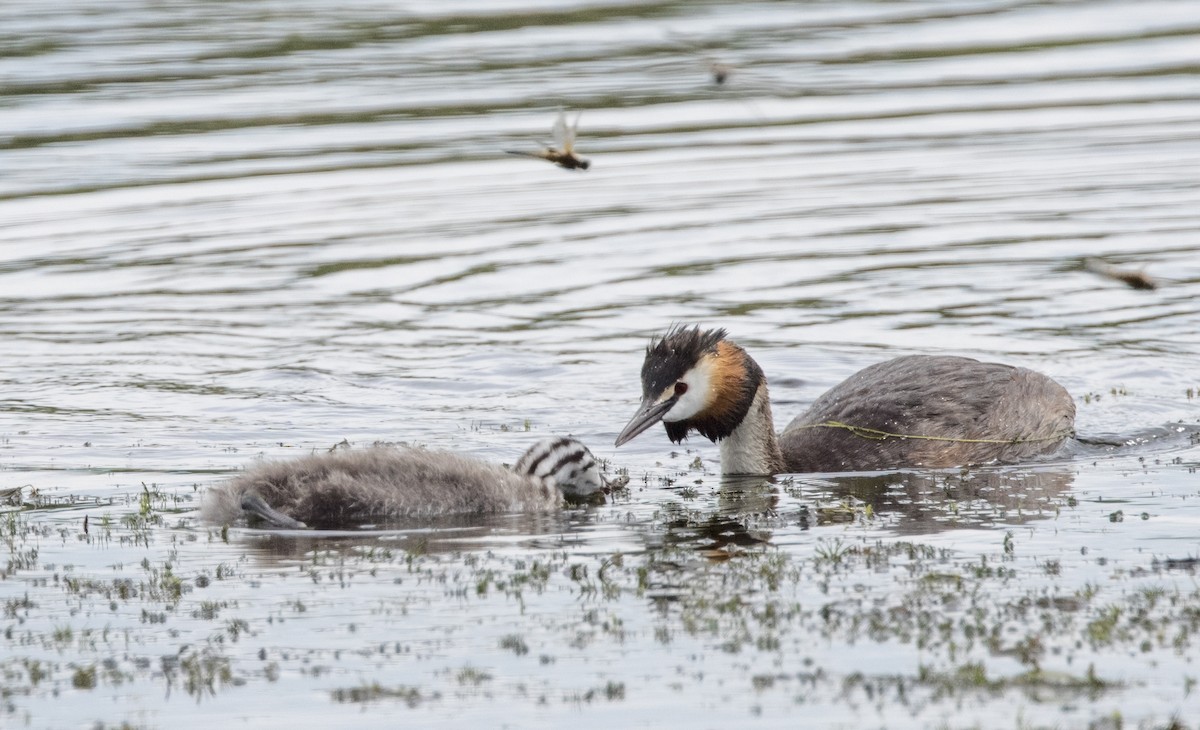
<point x="233" y="230"/>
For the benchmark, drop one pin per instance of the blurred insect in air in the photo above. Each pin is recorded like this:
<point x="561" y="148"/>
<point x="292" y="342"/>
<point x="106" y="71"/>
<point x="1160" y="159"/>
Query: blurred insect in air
<point x="563" y="151"/>
<point x="1135" y="279"/>
<point x="720" y="72"/>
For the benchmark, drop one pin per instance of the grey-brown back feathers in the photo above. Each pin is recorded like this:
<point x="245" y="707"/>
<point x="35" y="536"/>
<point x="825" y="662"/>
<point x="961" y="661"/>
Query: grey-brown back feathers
<point x="954" y="411"/>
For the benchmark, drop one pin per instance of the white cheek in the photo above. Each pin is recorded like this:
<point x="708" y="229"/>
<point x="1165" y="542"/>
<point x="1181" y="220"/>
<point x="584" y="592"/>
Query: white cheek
<point x="695" y="400"/>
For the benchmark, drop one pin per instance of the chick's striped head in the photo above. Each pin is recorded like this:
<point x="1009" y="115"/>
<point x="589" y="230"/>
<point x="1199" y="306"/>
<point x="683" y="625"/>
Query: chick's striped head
<point x="564" y="463"/>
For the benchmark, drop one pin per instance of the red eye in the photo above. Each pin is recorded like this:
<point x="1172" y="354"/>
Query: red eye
<point x="680" y="388"/>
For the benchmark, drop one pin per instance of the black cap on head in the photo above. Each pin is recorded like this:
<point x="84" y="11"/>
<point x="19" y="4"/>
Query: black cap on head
<point x="672" y="355"/>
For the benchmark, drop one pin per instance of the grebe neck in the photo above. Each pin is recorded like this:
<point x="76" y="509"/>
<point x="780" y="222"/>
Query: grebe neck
<point x="751" y="448"/>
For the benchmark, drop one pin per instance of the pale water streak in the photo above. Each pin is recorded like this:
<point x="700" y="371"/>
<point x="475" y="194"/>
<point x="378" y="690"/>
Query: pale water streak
<point x="229" y="229"/>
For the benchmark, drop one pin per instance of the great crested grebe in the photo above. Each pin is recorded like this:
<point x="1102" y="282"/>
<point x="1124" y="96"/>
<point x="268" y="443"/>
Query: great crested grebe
<point x="563" y="153"/>
<point x="343" y="488"/>
<point x="912" y="411"/>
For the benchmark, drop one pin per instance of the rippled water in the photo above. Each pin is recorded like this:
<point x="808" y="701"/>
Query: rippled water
<point x="240" y="229"/>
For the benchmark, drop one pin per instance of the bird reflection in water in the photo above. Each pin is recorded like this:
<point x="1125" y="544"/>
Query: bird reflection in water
<point x="751" y="509"/>
<point x="926" y="502"/>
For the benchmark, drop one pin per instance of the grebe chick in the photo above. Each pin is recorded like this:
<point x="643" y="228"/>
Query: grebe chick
<point x="913" y="411"/>
<point x="344" y="488"/>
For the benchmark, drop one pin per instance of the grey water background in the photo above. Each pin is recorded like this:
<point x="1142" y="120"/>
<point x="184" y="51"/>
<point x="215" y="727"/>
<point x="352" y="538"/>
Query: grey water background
<point x="232" y="230"/>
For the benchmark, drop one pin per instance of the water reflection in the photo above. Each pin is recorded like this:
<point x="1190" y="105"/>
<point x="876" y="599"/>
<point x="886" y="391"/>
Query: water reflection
<point x="927" y="502"/>
<point x="432" y="536"/>
<point x="749" y="511"/>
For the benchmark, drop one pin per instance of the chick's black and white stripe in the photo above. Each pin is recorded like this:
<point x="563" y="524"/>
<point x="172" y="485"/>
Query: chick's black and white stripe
<point x="561" y="463"/>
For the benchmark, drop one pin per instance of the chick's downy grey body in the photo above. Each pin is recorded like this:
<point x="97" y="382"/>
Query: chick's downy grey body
<point x="344" y="488"/>
<point x="912" y="411"/>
